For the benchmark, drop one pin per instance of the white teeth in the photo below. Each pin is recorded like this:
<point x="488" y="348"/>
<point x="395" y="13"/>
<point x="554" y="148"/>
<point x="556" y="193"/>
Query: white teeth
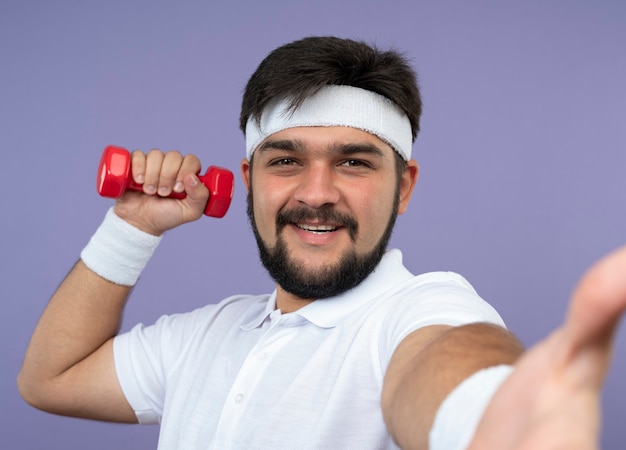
<point x="317" y="228"/>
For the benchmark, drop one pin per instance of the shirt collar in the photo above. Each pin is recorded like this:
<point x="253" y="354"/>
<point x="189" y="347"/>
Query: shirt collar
<point x="328" y="312"/>
<point x="258" y="314"/>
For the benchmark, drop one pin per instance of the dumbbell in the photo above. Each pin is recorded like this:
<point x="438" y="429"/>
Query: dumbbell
<point x="114" y="178"/>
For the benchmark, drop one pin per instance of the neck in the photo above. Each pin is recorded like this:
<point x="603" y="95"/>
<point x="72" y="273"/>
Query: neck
<point x="288" y="303"/>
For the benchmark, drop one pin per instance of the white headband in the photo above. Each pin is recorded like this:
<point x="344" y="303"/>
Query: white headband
<point x="335" y="105"/>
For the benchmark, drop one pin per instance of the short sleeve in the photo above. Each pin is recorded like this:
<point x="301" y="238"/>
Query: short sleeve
<point x="147" y="357"/>
<point x="436" y="298"/>
<point x="144" y="355"/>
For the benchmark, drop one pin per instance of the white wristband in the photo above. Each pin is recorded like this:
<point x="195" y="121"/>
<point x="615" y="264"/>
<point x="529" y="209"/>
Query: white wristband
<point x="119" y="251"/>
<point x="460" y="412"/>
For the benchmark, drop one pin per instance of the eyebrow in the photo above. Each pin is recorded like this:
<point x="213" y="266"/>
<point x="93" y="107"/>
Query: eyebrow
<point x="354" y="148"/>
<point x="339" y="149"/>
<point x="282" y="144"/>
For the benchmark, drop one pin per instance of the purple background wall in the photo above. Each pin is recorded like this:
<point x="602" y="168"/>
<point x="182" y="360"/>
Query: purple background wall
<point x="522" y="155"/>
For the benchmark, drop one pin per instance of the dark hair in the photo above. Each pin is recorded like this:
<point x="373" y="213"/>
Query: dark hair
<point x="299" y="69"/>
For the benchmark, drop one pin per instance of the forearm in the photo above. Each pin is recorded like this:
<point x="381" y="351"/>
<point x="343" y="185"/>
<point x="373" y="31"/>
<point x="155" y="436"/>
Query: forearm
<point x="69" y="364"/>
<point x="415" y="386"/>
<point x="69" y="367"/>
<point x="83" y="314"/>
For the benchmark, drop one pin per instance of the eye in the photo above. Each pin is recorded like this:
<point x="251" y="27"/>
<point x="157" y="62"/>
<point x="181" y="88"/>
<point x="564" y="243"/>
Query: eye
<point x="357" y="163"/>
<point x="282" y="162"/>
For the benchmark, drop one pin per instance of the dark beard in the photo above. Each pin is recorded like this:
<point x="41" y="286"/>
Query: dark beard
<point x="329" y="281"/>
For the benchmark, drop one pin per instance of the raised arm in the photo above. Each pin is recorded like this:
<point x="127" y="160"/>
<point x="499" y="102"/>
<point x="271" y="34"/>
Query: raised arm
<point x="68" y="368"/>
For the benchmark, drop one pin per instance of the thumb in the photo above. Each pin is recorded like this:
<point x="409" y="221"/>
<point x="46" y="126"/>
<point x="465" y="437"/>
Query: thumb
<point x="597" y="305"/>
<point x="197" y="195"/>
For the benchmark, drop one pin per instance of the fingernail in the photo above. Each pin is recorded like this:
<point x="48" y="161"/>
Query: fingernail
<point x="163" y="191"/>
<point x="149" y="189"/>
<point x="179" y="186"/>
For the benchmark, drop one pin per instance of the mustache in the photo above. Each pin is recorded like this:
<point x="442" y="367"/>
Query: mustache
<point x="324" y="215"/>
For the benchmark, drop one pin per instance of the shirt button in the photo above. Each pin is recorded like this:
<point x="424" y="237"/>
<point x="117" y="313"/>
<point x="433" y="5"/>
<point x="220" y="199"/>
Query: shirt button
<point x="238" y="398"/>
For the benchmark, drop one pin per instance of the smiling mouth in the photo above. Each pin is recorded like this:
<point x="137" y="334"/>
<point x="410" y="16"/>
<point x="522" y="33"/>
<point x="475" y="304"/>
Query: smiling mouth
<point x="317" y="229"/>
<point x="319" y="221"/>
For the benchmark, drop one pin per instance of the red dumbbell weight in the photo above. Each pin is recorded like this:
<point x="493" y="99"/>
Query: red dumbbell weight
<point x="114" y="178"/>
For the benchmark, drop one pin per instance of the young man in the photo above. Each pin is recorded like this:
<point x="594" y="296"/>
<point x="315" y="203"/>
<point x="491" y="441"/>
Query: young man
<point x="351" y="350"/>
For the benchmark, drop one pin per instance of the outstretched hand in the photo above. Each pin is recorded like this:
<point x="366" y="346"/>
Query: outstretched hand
<point x="552" y="399"/>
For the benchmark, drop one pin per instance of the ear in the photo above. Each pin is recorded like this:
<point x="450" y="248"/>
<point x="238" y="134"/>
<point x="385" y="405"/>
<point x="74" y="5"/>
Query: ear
<point x="407" y="184"/>
<point x="245" y="172"/>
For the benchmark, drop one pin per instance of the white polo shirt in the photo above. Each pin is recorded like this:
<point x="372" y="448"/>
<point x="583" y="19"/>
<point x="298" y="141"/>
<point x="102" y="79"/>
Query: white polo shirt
<point x="240" y="374"/>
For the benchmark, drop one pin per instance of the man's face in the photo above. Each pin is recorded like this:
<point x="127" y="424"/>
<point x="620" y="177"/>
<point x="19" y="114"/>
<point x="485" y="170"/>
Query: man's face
<point x="322" y="202"/>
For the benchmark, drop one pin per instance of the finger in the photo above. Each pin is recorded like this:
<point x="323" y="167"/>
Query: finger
<point x="169" y="171"/>
<point x="138" y="166"/>
<point x="154" y="161"/>
<point x="190" y="165"/>
<point x="599" y="300"/>
<point x="596" y="308"/>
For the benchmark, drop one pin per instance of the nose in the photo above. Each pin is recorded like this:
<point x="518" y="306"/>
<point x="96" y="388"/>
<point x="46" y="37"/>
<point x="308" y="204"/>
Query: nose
<point x="317" y="188"/>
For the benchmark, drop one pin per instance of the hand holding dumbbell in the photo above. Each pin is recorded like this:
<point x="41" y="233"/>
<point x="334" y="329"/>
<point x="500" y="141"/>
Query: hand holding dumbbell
<point x="114" y="178"/>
